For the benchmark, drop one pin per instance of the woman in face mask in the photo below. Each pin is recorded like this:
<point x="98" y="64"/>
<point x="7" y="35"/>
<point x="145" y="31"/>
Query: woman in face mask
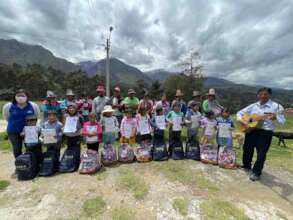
<point x="15" y="113"/>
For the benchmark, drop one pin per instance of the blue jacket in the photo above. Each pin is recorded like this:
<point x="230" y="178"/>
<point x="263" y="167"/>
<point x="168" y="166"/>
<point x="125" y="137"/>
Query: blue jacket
<point x="16" y="120"/>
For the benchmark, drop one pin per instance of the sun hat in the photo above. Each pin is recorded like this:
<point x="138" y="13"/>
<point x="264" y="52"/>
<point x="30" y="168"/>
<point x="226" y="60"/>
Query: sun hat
<point x="131" y="91"/>
<point x="50" y="94"/>
<point x="195" y="93"/>
<point x="212" y="92"/>
<point x="69" y="92"/>
<point x="107" y="108"/>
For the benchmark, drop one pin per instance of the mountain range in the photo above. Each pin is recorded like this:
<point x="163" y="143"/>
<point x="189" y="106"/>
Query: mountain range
<point x="13" y="51"/>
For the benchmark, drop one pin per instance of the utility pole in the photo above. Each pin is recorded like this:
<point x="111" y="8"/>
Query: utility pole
<point x="107" y="48"/>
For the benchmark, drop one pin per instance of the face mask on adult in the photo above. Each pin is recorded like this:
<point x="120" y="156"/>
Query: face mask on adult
<point x="21" y="99"/>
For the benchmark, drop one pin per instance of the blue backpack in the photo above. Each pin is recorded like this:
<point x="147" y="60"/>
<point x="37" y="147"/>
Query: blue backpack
<point x="192" y="150"/>
<point x="50" y="164"/>
<point x="159" y="152"/>
<point x="70" y="161"/>
<point x="26" y="166"/>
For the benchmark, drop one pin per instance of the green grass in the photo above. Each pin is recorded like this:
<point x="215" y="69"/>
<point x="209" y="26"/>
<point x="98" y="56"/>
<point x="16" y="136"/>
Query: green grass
<point x="94" y="207"/>
<point x="4" y="184"/>
<point x="181" y="205"/>
<point x="4" y="142"/>
<point x="122" y="213"/>
<point x="2" y="103"/>
<point x="180" y="171"/>
<point x="129" y="181"/>
<point x="221" y="210"/>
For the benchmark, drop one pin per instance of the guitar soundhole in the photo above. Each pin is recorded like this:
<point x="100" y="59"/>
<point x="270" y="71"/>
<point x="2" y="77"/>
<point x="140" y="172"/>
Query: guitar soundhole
<point x="250" y="120"/>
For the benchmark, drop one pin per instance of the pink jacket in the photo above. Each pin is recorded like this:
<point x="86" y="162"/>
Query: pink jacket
<point x="132" y="122"/>
<point x="99" y="130"/>
<point x="138" y="118"/>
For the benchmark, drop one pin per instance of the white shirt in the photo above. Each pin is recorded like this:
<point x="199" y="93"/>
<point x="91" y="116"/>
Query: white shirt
<point x="268" y="107"/>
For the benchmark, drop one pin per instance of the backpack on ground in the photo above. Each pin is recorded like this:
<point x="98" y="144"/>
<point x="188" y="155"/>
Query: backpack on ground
<point x="227" y="158"/>
<point x="89" y="162"/>
<point x="176" y="149"/>
<point x="26" y="166"/>
<point x="192" y="150"/>
<point x="109" y="155"/>
<point x="160" y="152"/>
<point x="209" y="153"/>
<point x="125" y="154"/>
<point x="143" y="152"/>
<point x="50" y="163"/>
<point x="69" y="161"/>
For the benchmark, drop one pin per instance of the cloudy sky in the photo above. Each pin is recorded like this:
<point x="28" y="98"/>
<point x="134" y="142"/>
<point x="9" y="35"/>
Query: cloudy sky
<point x="245" y="41"/>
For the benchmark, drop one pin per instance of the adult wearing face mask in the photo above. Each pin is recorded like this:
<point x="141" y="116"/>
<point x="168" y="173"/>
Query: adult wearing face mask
<point x="15" y="113"/>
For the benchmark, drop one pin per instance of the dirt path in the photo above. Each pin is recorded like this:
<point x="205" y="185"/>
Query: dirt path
<point x="3" y="125"/>
<point x="62" y="196"/>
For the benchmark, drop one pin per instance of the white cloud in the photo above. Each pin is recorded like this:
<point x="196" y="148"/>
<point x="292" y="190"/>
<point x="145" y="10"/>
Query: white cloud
<point x="245" y="41"/>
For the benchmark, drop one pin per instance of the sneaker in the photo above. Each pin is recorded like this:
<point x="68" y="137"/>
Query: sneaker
<point x="254" y="177"/>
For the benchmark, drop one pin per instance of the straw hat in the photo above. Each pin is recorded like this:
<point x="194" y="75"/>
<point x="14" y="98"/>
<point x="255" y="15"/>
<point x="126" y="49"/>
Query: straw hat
<point x="107" y="108"/>
<point x="69" y="92"/>
<point x="51" y="94"/>
<point x="195" y="94"/>
<point x="178" y="93"/>
<point x="131" y="91"/>
<point x="212" y="92"/>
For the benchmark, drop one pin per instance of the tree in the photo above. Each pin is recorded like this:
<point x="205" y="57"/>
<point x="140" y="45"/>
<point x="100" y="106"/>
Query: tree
<point x="156" y="90"/>
<point x="187" y="84"/>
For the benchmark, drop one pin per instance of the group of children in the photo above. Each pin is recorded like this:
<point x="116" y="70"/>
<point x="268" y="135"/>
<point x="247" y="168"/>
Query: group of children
<point x="204" y="144"/>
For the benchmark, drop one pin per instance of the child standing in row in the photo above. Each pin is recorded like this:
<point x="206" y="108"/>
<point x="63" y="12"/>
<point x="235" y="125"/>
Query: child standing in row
<point x="72" y="128"/>
<point x="128" y="128"/>
<point x="92" y="131"/>
<point x="110" y="125"/>
<point x="226" y="156"/>
<point x="175" y="120"/>
<point x="209" y="125"/>
<point x="52" y="133"/>
<point x="143" y="125"/>
<point x="158" y="122"/>
<point x="31" y="134"/>
<point x="192" y="120"/>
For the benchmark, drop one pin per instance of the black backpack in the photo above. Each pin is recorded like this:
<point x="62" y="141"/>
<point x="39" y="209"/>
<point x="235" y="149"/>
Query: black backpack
<point x="50" y="164"/>
<point x="176" y="149"/>
<point x="70" y="161"/>
<point x="159" y="152"/>
<point x="192" y="150"/>
<point x="26" y="166"/>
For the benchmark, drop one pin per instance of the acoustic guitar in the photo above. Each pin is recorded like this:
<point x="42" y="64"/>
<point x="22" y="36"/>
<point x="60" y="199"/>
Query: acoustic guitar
<point x="252" y="121"/>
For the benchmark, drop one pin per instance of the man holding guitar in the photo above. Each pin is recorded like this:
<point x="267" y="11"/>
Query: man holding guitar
<point x="259" y="129"/>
